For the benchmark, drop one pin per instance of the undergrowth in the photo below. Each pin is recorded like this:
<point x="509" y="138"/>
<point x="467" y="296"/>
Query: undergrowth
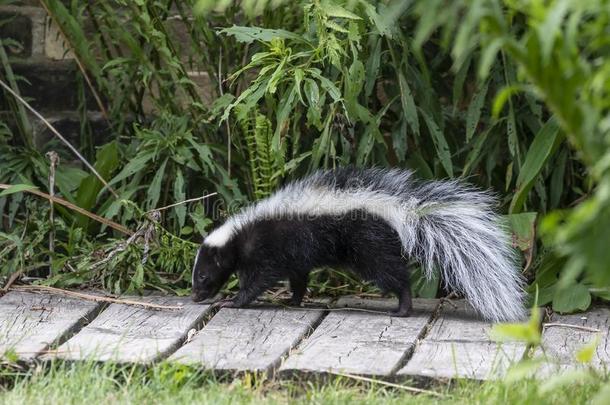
<point x="165" y="383"/>
<point x="508" y="95"/>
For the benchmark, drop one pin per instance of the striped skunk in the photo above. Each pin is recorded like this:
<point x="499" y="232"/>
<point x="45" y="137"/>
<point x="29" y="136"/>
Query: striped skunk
<point x="372" y="221"/>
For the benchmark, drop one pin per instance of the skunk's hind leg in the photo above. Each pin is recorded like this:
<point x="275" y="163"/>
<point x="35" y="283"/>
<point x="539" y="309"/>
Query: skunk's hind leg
<point x="405" y="303"/>
<point x="298" y="286"/>
<point x="389" y="272"/>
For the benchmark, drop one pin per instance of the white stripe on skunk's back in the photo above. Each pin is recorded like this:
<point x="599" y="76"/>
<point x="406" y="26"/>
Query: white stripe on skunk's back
<point x="296" y="201"/>
<point x="221" y="235"/>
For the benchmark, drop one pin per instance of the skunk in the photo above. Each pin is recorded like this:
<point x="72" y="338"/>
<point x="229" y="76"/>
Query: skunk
<point x="373" y="221"/>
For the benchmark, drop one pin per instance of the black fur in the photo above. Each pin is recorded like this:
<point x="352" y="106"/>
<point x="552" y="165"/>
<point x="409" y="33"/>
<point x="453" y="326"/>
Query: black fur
<point x="269" y="250"/>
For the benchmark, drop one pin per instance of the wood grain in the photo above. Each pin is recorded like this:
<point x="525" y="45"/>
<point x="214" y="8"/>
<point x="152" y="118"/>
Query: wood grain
<point x="458" y="346"/>
<point x="124" y="333"/>
<point x="561" y="343"/>
<point x="32" y="323"/>
<point x="251" y="339"/>
<point x="359" y="342"/>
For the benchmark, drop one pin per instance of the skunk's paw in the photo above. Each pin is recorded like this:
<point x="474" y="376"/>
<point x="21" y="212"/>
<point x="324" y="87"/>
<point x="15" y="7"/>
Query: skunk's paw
<point x="399" y="313"/>
<point x="292" y="302"/>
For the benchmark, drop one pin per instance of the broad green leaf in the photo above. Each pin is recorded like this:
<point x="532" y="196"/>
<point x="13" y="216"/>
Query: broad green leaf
<point x="475" y="153"/>
<point x="106" y="162"/>
<point x="276" y="76"/>
<point x="474" y="110"/>
<point x="522" y="226"/>
<point x="372" y="66"/>
<point x="409" y="108"/>
<point x="67" y="180"/>
<point x="154" y="190"/>
<point x="440" y="143"/>
<point x="137" y="281"/>
<point x="502" y="97"/>
<point x="135" y="165"/>
<point x="488" y="57"/>
<point x="528" y="332"/>
<point x="17" y="188"/>
<point x="283" y="116"/>
<point x="327" y="85"/>
<point x="512" y="136"/>
<point x="542" y="148"/>
<point x="386" y="20"/>
<point x="334" y="10"/>
<point x="572" y="298"/>
<point x="458" y="82"/>
<point x="550" y="29"/>
<point x="557" y="179"/>
<point x="179" y="195"/>
<point x="585" y="354"/>
<point x="251" y="34"/>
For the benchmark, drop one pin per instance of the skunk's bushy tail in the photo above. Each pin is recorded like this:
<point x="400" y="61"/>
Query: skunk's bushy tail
<point x="454" y="227"/>
<point x="444" y="224"/>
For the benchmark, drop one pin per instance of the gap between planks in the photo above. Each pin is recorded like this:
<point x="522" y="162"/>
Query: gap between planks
<point x="32" y="324"/>
<point x="134" y="334"/>
<point x="369" y="343"/>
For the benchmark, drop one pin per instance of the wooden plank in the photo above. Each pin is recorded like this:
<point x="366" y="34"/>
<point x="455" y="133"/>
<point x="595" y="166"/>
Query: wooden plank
<point x="30" y="323"/>
<point x="561" y="343"/>
<point x="251" y="339"/>
<point x="126" y="333"/>
<point x="359" y="342"/>
<point x="458" y="346"/>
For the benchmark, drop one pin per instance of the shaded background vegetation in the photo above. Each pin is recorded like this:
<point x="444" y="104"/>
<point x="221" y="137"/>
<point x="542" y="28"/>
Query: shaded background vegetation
<point x="511" y="95"/>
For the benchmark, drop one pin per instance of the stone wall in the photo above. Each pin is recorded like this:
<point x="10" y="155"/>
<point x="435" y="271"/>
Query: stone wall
<point x="42" y="57"/>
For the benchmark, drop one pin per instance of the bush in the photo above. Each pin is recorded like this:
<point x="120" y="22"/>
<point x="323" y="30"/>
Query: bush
<point x="511" y="95"/>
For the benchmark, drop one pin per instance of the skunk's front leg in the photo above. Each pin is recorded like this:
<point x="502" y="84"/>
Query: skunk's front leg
<point x="298" y="286"/>
<point x="250" y="287"/>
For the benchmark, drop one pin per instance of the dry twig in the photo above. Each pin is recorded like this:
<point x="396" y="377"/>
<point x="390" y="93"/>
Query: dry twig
<point x="567" y="325"/>
<point x="91" y="297"/>
<point x="182" y="202"/>
<point x="76" y="208"/>
<point x="60" y="136"/>
<point x="389" y="384"/>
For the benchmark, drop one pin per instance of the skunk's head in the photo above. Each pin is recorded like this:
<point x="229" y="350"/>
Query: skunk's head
<point x="213" y="267"/>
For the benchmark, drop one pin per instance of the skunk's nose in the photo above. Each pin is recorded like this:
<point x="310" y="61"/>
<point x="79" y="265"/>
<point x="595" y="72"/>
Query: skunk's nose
<point x="197" y="297"/>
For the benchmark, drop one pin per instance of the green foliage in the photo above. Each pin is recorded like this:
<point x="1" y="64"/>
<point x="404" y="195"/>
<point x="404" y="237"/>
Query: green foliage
<point x="164" y="383"/>
<point x="528" y="332"/>
<point x="561" y="55"/>
<point x="512" y="96"/>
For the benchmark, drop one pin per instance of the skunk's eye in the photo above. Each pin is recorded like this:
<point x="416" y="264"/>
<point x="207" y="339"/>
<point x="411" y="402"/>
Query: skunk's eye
<point x="202" y="277"/>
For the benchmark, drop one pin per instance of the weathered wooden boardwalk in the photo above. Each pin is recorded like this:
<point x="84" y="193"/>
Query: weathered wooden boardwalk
<point x="351" y="335"/>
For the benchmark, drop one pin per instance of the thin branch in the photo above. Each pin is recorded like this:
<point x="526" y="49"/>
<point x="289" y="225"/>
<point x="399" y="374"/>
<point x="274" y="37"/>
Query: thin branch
<point x="64" y="140"/>
<point x="389" y="384"/>
<point x="10" y="282"/>
<point x="76" y="208"/>
<point x="567" y="325"/>
<point x="182" y="202"/>
<point x="54" y="158"/>
<point x="91" y="297"/>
